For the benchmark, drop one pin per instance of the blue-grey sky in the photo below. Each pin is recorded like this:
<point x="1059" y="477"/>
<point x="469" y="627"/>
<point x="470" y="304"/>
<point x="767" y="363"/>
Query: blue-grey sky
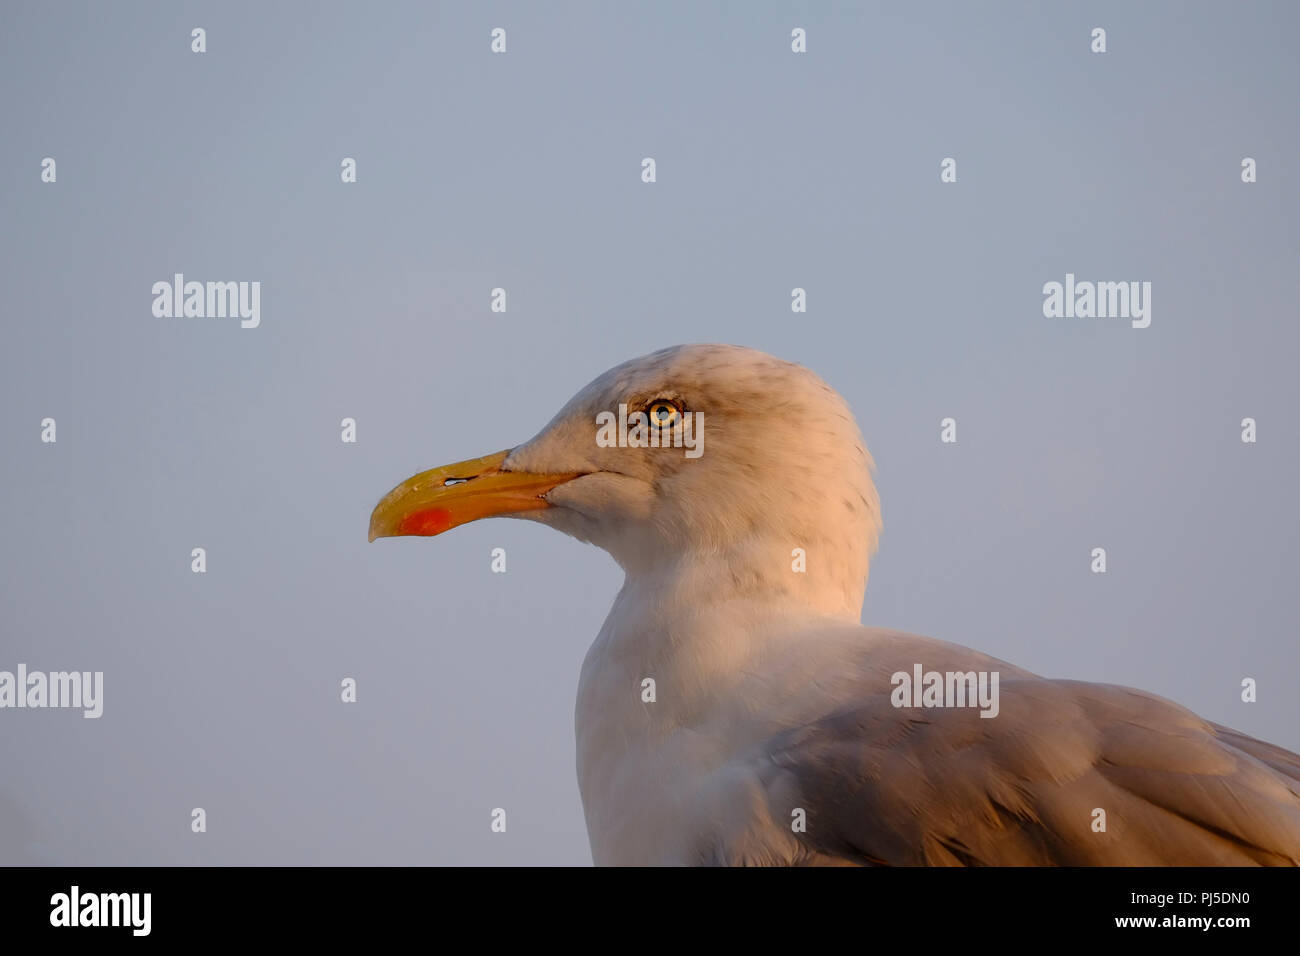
<point x="775" y="170"/>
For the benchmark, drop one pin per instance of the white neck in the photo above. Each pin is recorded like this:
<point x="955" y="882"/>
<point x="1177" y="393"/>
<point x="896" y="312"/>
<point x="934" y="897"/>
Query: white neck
<point x="696" y="629"/>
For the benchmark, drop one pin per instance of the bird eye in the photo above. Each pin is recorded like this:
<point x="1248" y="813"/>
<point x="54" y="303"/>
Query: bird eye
<point x="664" y="413"/>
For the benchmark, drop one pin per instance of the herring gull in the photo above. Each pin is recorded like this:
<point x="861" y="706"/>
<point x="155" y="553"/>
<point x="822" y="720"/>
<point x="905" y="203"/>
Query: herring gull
<point x="780" y="732"/>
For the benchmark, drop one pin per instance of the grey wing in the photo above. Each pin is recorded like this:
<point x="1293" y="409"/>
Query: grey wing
<point x="1068" y="773"/>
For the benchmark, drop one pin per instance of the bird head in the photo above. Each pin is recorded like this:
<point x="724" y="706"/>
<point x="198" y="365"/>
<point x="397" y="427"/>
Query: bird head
<point x="696" y="453"/>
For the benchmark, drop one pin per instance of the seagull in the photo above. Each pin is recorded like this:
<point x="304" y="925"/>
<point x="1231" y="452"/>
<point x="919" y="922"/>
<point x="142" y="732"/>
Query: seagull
<point x="733" y="710"/>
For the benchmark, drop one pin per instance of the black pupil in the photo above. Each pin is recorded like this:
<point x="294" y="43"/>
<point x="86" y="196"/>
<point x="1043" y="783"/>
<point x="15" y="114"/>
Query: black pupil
<point x="663" y="413"/>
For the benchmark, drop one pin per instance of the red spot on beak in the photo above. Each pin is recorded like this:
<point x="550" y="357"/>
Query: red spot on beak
<point x="429" y="522"/>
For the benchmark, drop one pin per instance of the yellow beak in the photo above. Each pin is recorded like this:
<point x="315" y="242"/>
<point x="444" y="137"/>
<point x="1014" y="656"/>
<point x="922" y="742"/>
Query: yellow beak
<point x="426" y="504"/>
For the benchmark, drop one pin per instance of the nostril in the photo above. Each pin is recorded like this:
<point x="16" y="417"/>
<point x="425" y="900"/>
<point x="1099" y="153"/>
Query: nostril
<point x="454" y="481"/>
